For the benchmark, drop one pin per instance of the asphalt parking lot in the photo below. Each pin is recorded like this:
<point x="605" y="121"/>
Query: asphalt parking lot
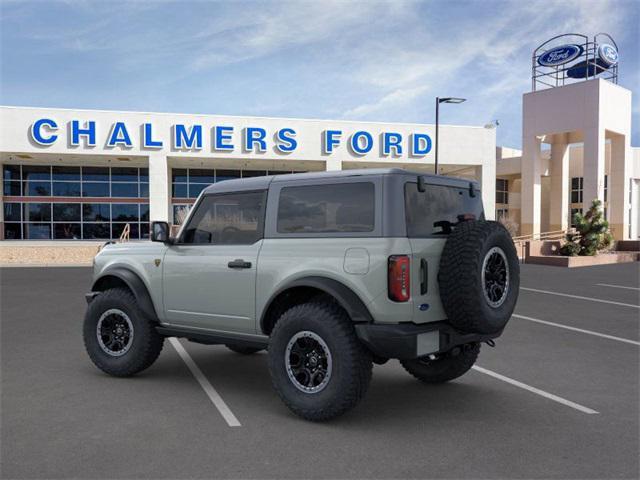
<point x="553" y="400"/>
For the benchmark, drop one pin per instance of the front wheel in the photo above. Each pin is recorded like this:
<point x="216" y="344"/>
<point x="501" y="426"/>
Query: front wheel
<point x="318" y="367"/>
<point x="447" y="367"/>
<point x="118" y="337"/>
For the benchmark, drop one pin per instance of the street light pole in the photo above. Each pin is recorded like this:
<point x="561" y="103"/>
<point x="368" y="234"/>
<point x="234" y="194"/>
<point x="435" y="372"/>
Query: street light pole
<point x="438" y="102"/>
<point x="437" y="129"/>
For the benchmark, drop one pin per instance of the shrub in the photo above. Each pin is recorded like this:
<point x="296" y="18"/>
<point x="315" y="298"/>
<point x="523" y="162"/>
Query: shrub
<point x="510" y="225"/>
<point x="591" y="235"/>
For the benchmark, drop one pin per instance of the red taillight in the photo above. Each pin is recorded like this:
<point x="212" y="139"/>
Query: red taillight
<point x="399" y="286"/>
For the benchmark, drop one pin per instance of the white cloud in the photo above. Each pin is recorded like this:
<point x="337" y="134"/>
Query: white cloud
<point x="361" y="60"/>
<point x="494" y="53"/>
<point x="399" y="97"/>
<point x="255" y="34"/>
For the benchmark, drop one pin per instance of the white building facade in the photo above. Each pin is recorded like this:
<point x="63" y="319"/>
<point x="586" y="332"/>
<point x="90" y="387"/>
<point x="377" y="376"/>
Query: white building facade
<point x="597" y="115"/>
<point x="85" y="174"/>
<point x="577" y="148"/>
<point x="509" y="188"/>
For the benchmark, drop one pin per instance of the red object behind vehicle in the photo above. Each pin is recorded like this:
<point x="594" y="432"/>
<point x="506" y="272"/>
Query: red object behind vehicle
<point x="399" y="284"/>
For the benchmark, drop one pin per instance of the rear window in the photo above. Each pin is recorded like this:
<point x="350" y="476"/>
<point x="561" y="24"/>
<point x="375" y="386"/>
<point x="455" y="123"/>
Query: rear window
<point x="427" y="213"/>
<point x="331" y="208"/>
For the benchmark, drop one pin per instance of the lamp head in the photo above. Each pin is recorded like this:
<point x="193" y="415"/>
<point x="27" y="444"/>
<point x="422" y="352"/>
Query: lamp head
<point x="451" y="100"/>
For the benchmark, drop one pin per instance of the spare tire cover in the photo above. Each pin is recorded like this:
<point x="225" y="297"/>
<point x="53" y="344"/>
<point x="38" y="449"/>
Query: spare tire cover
<point x="479" y="277"/>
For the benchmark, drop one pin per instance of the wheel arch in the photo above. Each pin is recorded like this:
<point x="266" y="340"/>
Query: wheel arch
<point x="302" y="289"/>
<point x="123" y="277"/>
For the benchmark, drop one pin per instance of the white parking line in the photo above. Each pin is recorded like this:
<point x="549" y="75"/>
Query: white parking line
<point x="567" y="327"/>
<point x="535" y="390"/>
<point x="580" y="298"/>
<point x="211" y="392"/>
<point x="616" y="286"/>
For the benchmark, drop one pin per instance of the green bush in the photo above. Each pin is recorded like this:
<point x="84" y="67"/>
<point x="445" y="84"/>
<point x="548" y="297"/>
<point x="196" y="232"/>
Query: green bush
<point x="591" y="235"/>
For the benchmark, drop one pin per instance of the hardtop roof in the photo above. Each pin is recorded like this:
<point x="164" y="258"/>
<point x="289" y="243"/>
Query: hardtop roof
<point x="262" y="183"/>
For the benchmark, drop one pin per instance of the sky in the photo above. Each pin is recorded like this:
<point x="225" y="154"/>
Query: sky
<point x="351" y="60"/>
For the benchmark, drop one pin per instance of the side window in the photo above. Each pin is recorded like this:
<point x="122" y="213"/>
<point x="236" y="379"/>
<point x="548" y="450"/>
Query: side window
<point x="329" y="208"/>
<point x="227" y="219"/>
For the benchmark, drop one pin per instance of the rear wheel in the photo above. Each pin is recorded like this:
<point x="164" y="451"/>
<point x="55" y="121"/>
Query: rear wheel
<point x="118" y="337"/>
<point x="444" y="368"/>
<point x="242" y="349"/>
<point x="318" y="367"/>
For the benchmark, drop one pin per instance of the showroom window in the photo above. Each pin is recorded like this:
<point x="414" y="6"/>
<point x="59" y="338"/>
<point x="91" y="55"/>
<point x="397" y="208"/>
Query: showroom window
<point x="74" y="221"/>
<point x="573" y="212"/>
<point x="502" y="190"/>
<point x="187" y="183"/>
<point x="63" y="181"/>
<point x="502" y="213"/>
<point x="576" y="189"/>
<point x="91" y="203"/>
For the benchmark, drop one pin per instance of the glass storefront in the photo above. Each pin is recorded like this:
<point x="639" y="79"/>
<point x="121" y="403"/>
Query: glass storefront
<point x="187" y="183"/>
<point x="45" y="202"/>
<point x="77" y="202"/>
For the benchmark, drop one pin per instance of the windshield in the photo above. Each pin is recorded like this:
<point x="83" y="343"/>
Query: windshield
<point x="436" y="210"/>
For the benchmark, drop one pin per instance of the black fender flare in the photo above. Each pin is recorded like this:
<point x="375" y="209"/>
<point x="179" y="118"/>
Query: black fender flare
<point x="135" y="284"/>
<point x="346" y="298"/>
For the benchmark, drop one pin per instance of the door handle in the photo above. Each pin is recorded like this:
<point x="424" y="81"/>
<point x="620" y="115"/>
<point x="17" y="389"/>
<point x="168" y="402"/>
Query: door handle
<point x="239" y="263"/>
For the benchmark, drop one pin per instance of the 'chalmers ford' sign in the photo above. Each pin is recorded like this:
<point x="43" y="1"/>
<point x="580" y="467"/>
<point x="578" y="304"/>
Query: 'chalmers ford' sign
<point x="45" y="132"/>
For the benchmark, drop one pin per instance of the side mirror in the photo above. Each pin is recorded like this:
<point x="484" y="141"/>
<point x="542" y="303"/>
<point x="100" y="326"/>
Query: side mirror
<point x="160" y="232"/>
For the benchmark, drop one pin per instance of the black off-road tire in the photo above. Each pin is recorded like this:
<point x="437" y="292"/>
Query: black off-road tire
<point x="241" y="349"/>
<point x="460" y="277"/>
<point x="351" y="362"/>
<point x="443" y="369"/>
<point x="146" y="343"/>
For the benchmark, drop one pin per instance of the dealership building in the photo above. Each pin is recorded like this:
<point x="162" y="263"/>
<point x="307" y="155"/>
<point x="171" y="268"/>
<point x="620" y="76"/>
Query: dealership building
<point x="86" y="174"/>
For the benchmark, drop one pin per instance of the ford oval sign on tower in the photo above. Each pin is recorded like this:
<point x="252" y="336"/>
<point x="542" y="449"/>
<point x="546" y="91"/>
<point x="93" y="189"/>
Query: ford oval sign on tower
<point x="608" y="54"/>
<point x="560" y="55"/>
<point x="571" y="57"/>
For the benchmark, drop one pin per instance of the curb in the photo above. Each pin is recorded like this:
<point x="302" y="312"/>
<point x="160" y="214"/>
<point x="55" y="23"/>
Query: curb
<point x="44" y="265"/>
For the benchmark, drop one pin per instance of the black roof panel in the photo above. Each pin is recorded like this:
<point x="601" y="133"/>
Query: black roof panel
<point x="262" y="183"/>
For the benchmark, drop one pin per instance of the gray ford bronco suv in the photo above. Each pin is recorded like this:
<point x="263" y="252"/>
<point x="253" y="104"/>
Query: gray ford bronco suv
<point x="329" y="272"/>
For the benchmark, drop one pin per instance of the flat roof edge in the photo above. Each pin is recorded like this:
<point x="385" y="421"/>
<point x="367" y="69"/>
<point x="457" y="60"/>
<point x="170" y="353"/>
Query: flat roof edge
<point x="257" y="117"/>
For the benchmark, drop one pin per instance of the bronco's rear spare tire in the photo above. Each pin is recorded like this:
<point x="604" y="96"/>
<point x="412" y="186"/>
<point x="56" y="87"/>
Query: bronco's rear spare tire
<point x="479" y="277"/>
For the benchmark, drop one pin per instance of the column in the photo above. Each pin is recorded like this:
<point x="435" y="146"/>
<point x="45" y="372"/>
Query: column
<point x="593" y="166"/>
<point x="333" y="164"/>
<point x="531" y="186"/>
<point x="486" y="176"/>
<point x="559" y="196"/>
<point x="618" y="188"/>
<point x="1" y="208"/>
<point x="159" y="188"/>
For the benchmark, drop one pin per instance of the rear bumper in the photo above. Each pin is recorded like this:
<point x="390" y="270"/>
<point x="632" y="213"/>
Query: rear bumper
<point x="407" y="340"/>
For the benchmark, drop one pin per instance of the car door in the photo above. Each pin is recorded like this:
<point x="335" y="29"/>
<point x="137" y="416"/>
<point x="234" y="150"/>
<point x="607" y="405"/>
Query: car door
<point x="209" y="274"/>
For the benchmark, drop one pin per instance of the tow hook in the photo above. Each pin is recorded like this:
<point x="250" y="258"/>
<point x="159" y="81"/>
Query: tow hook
<point x="491" y="343"/>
